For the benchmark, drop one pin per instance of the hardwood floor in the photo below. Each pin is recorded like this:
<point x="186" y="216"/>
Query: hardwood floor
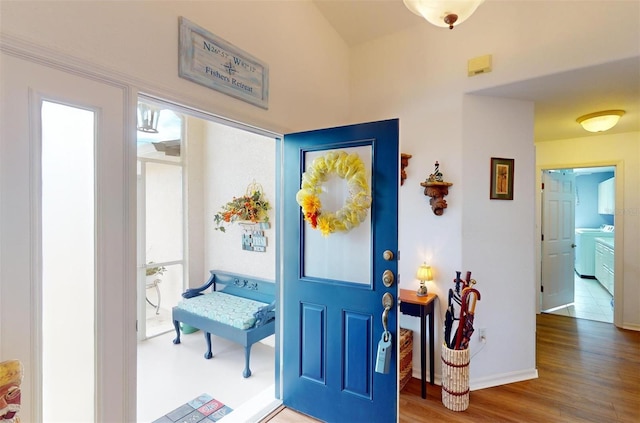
<point x="287" y="415"/>
<point x="588" y="372"/>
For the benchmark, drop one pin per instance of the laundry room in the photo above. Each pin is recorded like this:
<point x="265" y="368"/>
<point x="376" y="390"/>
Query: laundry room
<point x="588" y="293"/>
<point x="594" y="216"/>
<point x="594" y="252"/>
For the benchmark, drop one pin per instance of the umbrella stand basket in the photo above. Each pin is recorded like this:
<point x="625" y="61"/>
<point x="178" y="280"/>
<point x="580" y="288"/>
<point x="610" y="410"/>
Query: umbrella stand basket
<point x="455" y="378"/>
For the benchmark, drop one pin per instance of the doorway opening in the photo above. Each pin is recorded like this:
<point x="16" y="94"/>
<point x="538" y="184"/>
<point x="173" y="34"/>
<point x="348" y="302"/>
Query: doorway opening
<point x="161" y="217"/>
<point x="583" y="286"/>
<point x="187" y="170"/>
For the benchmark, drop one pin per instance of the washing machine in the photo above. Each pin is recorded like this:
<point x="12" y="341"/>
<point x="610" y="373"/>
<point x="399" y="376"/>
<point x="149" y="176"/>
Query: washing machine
<point x="586" y="249"/>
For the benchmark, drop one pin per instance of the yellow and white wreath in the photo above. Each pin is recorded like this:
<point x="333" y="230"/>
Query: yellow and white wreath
<point x="348" y="167"/>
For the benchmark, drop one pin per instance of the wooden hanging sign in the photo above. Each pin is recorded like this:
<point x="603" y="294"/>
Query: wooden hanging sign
<point x="208" y="60"/>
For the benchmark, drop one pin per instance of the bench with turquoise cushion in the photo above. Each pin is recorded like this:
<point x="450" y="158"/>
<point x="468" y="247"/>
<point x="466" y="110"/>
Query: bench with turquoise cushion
<point x="242" y="311"/>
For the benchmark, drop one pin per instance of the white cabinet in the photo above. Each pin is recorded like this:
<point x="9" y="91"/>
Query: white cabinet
<point x="604" y="263"/>
<point x="585" y="250"/>
<point x="606" y="196"/>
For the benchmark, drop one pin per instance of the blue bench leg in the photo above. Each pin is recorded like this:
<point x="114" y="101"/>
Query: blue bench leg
<point x="247" y="353"/>
<point x="208" y="354"/>
<point x="176" y="325"/>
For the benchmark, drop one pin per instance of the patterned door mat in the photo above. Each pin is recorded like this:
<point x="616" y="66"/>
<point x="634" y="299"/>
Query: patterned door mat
<point x="201" y="409"/>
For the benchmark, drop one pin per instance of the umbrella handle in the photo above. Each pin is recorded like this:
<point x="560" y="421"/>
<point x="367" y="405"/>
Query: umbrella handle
<point x="465" y="310"/>
<point x="467" y="291"/>
<point x="463" y="313"/>
<point x="474" y="300"/>
<point x="471" y="306"/>
<point x="459" y="331"/>
<point x="467" y="279"/>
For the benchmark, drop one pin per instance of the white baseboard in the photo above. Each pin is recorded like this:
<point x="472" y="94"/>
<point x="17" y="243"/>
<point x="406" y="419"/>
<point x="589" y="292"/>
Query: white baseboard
<point x="502" y="379"/>
<point x="415" y="373"/>
<point x="488" y="382"/>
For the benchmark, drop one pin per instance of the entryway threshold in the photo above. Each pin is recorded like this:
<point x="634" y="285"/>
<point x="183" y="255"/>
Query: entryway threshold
<point x="255" y="409"/>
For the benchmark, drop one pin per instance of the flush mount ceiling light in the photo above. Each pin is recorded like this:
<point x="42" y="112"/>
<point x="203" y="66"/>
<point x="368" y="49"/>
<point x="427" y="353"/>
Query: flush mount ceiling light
<point x="443" y="13"/>
<point x="600" y="121"/>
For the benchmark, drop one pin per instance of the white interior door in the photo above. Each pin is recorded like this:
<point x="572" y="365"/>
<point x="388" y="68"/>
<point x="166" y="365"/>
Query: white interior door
<point x="558" y="236"/>
<point x="107" y="268"/>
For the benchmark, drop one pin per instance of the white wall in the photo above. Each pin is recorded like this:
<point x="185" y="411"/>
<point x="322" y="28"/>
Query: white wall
<point x="220" y="162"/>
<point x="194" y="147"/>
<point x="233" y="160"/>
<point x="498" y="236"/>
<point x="420" y="76"/>
<point x="138" y="40"/>
<point x="623" y="150"/>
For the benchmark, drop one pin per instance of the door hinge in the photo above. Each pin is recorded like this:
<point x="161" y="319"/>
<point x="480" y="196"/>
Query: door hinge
<point x="543" y="186"/>
<point x="541" y="288"/>
<point x="542" y="237"/>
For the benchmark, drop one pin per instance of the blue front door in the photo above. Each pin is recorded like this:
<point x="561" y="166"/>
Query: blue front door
<point x="340" y="215"/>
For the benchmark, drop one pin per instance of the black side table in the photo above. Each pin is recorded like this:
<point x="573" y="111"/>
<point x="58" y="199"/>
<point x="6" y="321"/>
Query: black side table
<point x="413" y="305"/>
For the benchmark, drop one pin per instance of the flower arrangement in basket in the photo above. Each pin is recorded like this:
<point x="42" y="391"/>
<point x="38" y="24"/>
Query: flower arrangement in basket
<point x="252" y="207"/>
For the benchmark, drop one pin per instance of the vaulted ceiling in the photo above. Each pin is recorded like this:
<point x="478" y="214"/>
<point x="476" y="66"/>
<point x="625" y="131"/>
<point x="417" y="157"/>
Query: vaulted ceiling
<point x="559" y="98"/>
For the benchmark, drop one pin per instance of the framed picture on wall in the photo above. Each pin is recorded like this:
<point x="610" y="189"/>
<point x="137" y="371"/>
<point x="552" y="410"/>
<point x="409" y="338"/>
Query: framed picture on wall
<point x="501" y="179"/>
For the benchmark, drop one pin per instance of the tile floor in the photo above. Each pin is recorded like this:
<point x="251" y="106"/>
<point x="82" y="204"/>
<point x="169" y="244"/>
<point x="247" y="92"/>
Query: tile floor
<point x="592" y="302"/>
<point x="158" y="324"/>
<point x="170" y="375"/>
<point x="166" y="381"/>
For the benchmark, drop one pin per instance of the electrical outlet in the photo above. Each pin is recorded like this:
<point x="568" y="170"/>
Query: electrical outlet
<point x="482" y="334"/>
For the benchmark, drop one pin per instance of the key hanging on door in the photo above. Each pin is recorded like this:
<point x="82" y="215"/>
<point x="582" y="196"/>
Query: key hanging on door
<point x="383" y="359"/>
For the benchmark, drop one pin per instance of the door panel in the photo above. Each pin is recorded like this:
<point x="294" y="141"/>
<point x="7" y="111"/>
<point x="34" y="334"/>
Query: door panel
<point x="313" y="351"/>
<point x="558" y="246"/>
<point x="332" y="285"/>
<point x="357" y="352"/>
<point x="25" y="85"/>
